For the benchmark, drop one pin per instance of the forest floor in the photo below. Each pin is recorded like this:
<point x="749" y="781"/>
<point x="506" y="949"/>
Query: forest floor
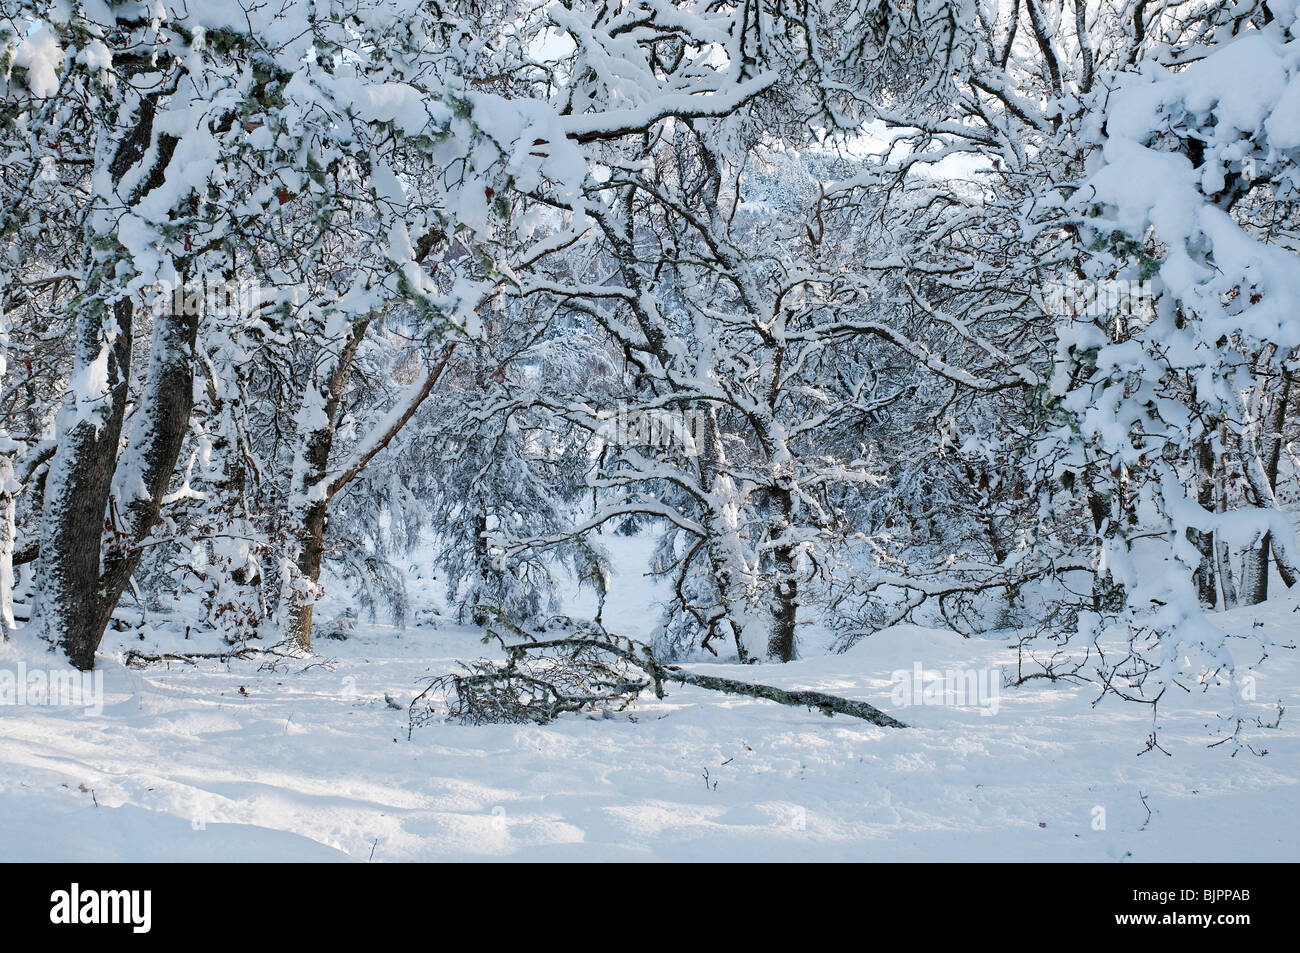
<point x="310" y="760"/>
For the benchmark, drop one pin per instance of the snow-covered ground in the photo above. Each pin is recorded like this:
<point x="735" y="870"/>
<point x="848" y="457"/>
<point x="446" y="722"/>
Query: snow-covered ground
<point x="310" y="760"/>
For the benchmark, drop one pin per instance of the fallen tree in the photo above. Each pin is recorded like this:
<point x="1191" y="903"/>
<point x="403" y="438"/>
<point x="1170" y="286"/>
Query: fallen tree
<point x="587" y="669"/>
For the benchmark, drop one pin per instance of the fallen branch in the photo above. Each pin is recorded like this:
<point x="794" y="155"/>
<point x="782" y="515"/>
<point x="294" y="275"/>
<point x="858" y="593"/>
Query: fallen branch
<point x="827" y="704"/>
<point x="133" y="657"/>
<point x="589" y="669"/>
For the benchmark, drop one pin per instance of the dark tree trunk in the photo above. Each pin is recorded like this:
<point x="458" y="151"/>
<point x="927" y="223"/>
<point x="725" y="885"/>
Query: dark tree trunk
<point x="319" y="485"/>
<point x="1272" y="446"/>
<point x="313" y="513"/>
<point x="85" y="573"/>
<point x="781" y="642"/>
<point x="309" y="563"/>
<point x="82" y="573"/>
<point x="81" y="477"/>
<point x="155" y="446"/>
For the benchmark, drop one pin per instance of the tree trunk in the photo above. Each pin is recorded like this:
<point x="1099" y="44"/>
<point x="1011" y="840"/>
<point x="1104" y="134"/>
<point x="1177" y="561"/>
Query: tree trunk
<point x="1272" y="453"/>
<point x="826" y="704"/>
<point x="722" y="546"/>
<point x="83" y="572"/>
<point x="311" y="480"/>
<point x="80" y="580"/>
<point x="1254" y="573"/>
<point x="8" y="487"/>
<point x="154" y="445"/>
<point x="77" y="487"/>
<point x="781" y="642"/>
<point x="1223" y="554"/>
<point x="1107" y="595"/>
<point x="311" y="549"/>
<point x="316" y="484"/>
<point x="1259" y="459"/>
<point x="1206" y="583"/>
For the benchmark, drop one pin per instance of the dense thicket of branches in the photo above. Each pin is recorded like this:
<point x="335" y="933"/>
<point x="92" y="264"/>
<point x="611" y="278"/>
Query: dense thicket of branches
<point x="862" y="307"/>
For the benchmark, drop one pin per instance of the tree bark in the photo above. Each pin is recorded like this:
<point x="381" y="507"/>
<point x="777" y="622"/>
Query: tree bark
<point x="1256" y="566"/>
<point x="78" y="485"/>
<point x="827" y="704"/>
<point x="153" y="447"/>
<point x="82" y="574"/>
<point x="781" y="642"/>
<point x="1206" y="583"/>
